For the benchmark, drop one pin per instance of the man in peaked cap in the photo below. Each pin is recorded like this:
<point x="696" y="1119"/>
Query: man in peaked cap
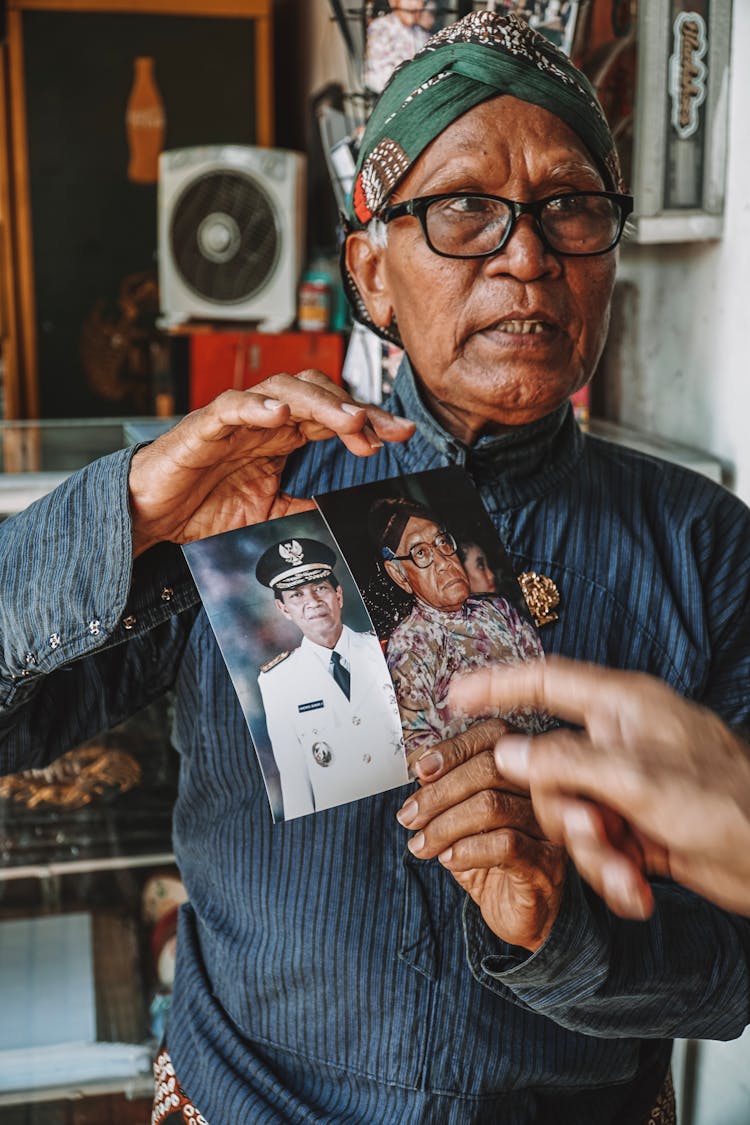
<point x="330" y="706"/>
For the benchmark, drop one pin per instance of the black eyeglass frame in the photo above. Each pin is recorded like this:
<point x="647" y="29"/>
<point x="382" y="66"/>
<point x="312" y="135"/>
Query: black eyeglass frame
<point x="418" y="209"/>
<point x="433" y="549"/>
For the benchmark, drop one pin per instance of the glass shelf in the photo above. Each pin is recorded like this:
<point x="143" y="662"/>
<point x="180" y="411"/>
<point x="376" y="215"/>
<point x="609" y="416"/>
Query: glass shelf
<point x="37" y="456"/>
<point x="81" y="843"/>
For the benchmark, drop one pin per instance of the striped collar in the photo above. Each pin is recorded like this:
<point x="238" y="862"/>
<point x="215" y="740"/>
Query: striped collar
<point x="519" y="466"/>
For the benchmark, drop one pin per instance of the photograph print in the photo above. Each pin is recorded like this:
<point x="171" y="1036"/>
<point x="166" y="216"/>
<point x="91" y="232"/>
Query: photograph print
<point x="305" y="662"/>
<point x="440" y="591"/>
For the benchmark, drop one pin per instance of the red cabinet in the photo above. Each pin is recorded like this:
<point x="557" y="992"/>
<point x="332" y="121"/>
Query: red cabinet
<point x="222" y="360"/>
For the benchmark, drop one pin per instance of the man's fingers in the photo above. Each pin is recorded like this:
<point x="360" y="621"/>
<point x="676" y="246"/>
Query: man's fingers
<point x="605" y="851"/>
<point x="567" y="762"/>
<point x="569" y="689"/>
<point x="484" y="811"/>
<point x="501" y="847"/>
<point x="309" y="399"/>
<point x="615" y="876"/>
<point x="462" y="782"/>
<point x="428" y="765"/>
<point x="377" y="426"/>
<point x="313" y="398"/>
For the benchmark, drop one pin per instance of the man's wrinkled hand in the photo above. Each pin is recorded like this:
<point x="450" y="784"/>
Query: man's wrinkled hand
<point x="220" y="467"/>
<point x="482" y="829"/>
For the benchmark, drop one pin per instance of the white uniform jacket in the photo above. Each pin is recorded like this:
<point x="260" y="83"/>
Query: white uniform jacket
<point x="330" y="749"/>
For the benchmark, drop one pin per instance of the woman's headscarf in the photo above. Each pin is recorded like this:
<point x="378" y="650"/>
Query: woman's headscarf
<point x="483" y="55"/>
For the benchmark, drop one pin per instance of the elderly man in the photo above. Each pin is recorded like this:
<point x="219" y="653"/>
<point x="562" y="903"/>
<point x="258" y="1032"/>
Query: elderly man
<point x="330" y="706"/>
<point x="323" y="972"/>
<point x="447" y="630"/>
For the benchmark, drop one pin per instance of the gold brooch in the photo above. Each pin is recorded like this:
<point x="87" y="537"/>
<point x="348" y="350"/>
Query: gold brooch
<point x="542" y="596"/>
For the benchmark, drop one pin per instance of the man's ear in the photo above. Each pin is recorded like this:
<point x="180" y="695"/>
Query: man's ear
<point x="281" y="607"/>
<point x="366" y="264"/>
<point x="394" y="571"/>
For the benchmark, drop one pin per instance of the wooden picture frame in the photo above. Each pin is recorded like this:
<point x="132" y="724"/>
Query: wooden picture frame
<point x="242" y="28"/>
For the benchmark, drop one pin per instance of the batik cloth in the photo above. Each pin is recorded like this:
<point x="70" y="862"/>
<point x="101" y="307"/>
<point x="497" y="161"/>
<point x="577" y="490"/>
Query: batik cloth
<point x="431" y="646"/>
<point x="171" y="1105"/>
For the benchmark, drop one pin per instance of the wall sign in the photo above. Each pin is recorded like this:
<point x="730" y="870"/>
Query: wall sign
<point x="687" y="72"/>
<point x="682" y="97"/>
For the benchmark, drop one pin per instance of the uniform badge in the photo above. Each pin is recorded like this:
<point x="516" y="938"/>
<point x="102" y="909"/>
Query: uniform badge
<point x="321" y="752"/>
<point x="292" y="552"/>
<point x="542" y="597"/>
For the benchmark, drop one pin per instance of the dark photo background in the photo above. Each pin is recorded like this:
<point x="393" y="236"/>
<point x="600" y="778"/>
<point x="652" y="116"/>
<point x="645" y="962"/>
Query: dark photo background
<point x="450" y="495"/>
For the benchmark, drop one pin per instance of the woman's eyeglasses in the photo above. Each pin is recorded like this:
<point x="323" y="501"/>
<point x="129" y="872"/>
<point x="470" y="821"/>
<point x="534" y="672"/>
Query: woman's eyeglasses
<point x="423" y="554"/>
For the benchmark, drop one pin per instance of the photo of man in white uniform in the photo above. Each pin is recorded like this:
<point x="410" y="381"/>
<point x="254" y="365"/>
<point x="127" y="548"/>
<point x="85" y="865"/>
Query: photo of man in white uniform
<point x="330" y="706"/>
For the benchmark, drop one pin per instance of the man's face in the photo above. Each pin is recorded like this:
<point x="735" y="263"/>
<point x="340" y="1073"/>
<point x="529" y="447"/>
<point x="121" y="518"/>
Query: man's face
<point x="504" y="340"/>
<point x="443" y="584"/>
<point x="315" y="608"/>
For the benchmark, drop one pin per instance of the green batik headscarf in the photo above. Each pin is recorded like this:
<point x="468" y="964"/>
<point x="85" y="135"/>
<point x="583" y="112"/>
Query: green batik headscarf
<point x="481" y="56"/>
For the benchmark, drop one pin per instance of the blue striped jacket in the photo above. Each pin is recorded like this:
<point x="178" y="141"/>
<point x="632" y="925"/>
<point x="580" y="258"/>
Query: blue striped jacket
<point x="323" y="974"/>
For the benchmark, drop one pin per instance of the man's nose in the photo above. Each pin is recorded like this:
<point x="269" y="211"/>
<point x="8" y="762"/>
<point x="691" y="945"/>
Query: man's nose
<point x="442" y="561"/>
<point x="524" y="255"/>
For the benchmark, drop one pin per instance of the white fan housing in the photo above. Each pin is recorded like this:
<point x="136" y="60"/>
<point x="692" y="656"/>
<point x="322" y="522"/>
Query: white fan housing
<point x="231" y="234"/>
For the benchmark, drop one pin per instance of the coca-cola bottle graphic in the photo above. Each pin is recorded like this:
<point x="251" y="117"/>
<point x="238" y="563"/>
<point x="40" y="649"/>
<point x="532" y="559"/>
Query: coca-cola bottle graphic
<point x="145" y="123"/>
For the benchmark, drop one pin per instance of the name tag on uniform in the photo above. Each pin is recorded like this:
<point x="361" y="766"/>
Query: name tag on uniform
<point x="314" y="705"/>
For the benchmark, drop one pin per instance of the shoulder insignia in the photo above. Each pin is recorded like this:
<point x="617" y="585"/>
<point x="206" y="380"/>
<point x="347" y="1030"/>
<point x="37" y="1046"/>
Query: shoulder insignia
<point x="276" y="660"/>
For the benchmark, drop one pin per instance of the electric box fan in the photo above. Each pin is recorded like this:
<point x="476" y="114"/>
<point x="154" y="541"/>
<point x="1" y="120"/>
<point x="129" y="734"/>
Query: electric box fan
<point x="231" y="234"/>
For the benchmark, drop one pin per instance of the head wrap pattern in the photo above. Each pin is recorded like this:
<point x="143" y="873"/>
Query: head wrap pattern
<point x="481" y="56"/>
<point x="387" y="520"/>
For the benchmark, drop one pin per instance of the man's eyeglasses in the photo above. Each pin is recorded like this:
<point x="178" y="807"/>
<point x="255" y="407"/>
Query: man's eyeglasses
<point x="423" y="554"/>
<point x="579" y="224"/>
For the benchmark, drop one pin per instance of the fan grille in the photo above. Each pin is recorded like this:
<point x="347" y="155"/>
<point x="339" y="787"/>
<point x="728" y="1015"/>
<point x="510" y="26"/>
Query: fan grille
<point x="225" y="237"/>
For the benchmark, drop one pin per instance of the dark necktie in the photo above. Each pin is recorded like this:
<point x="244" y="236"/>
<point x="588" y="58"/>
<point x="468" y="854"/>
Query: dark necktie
<point x="339" y="673"/>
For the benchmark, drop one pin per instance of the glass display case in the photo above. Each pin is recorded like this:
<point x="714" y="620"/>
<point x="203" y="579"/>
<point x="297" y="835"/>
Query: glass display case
<point x="88" y="888"/>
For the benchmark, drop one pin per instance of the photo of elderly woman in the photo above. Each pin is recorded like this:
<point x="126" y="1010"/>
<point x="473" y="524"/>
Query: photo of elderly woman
<point x="402" y="541"/>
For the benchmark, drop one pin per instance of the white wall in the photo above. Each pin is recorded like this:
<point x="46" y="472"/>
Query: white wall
<point x="689" y="365"/>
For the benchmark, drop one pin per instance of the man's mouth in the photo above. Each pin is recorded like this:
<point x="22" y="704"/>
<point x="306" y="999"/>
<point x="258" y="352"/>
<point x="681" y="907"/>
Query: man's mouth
<point x="521" y="327"/>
